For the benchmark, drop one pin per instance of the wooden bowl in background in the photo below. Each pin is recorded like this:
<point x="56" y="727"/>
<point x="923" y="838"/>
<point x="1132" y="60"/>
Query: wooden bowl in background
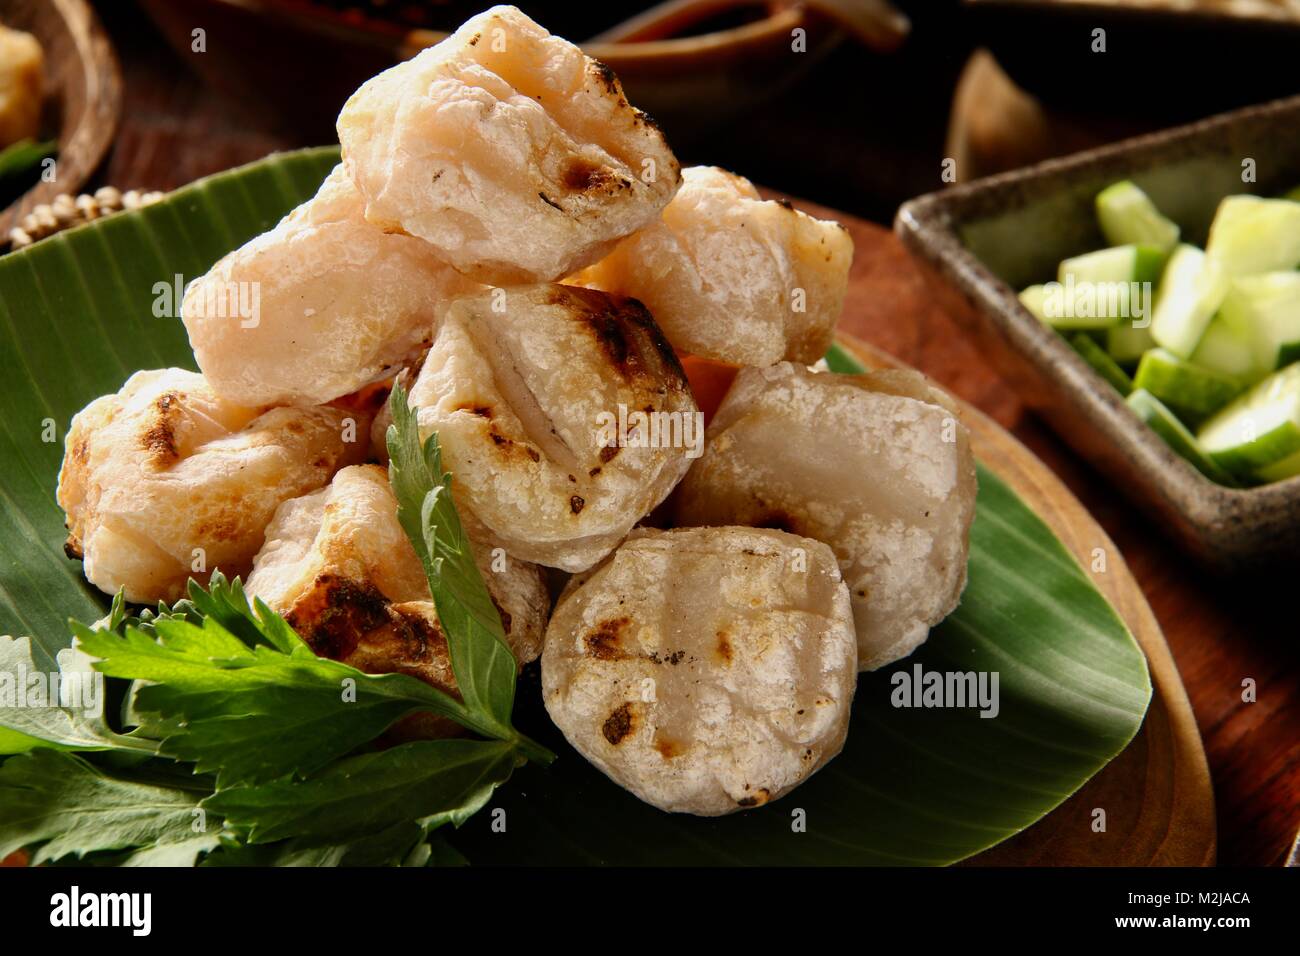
<point x="296" y="63"/>
<point x="83" y="93"/>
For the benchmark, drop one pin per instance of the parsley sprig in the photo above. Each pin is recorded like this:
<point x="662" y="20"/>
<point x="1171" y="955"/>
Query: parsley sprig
<point x="247" y="747"/>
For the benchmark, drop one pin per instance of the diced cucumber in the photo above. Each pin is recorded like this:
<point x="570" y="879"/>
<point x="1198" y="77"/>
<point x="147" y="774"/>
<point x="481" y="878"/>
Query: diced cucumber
<point x="1165" y="423"/>
<point x="1035" y="300"/>
<point x="1049" y="304"/>
<point x="1229" y="347"/>
<point x="1191" y="391"/>
<point x="1288" y="467"/>
<point x="1119" y="264"/>
<point x="1127" y="342"/>
<point x="1251" y="235"/>
<point x="1260" y="430"/>
<point x="1127" y="215"/>
<point x="1102" y="363"/>
<point x="1269" y="306"/>
<point x="1190" y="293"/>
<point x="1098" y="289"/>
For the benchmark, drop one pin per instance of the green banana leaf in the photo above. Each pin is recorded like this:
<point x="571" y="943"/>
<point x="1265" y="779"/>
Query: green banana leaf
<point x="913" y="785"/>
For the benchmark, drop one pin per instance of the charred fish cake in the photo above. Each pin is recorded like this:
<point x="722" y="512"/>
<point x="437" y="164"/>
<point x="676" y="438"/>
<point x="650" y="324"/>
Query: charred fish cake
<point x="512" y="153"/>
<point x="706" y="670"/>
<point x="164" y="481"/>
<point x="563" y="415"/>
<point x="878" y="466"/>
<point x="732" y="277"/>
<point x="340" y="569"/>
<point x="318" y="307"/>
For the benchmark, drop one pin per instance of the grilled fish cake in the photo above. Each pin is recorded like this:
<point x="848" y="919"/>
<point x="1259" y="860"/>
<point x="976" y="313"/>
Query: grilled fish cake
<point x="341" y="570"/>
<point x="526" y="388"/>
<point x="318" y="307"/>
<point x="878" y="466"/>
<point x="164" y="480"/>
<point x="706" y="670"/>
<point x="512" y="153"/>
<point x="732" y="277"/>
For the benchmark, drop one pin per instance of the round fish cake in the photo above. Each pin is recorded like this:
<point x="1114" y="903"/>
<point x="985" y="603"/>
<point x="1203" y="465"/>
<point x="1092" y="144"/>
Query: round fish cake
<point x="706" y="670"/>
<point x="338" y="566"/>
<point x="164" y="481"/>
<point x="732" y="277"/>
<point x="563" y="415"/>
<point x="317" y="307"/>
<point x="516" y="156"/>
<point x="878" y="466"/>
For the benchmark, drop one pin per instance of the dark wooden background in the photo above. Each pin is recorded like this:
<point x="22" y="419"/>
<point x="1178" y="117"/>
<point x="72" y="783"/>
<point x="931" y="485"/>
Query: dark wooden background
<point x="175" y="130"/>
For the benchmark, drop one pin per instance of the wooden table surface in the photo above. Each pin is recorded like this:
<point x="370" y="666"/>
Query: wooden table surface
<point x="1221" y="632"/>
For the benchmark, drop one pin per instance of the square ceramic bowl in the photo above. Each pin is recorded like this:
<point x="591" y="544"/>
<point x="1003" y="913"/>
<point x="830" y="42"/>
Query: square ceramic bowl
<point x="985" y="240"/>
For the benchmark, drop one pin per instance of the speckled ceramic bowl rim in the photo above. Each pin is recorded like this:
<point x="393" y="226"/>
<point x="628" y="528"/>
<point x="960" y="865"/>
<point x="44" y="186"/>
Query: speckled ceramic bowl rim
<point x="928" y="225"/>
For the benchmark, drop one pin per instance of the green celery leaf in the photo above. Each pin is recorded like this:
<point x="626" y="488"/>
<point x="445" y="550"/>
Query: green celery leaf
<point x="482" y="661"/>
<point x="61" y="805"/>
<point x="400" y="845"/>
<point x="254" y="714"/>
<point x="28" y="721"/>
<point x="432" y="780"/>
<point x="179" y="853"/>
<point x="439" y="853"/>
<point x="484" y="666"/>
<point x="226" y="603"/>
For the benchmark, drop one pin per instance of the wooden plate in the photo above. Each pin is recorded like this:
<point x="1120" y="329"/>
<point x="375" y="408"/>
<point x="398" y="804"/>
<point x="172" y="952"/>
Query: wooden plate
<point x="1157" y="795"/>
<point x="83" y="90"/>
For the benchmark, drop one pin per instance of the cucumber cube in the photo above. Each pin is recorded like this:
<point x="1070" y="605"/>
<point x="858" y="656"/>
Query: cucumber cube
<point x="1102" y="363"/>
<point x="1268" y="306"/>
<point x="1119" y="264"/>
<point x="1251" y="235"/>
<point x="1288" y="467"/>
<point x="1165" y="423"/>
<point x="1051" y="306"/>
<point x="1035" y="300"/>
<point x="1127" y="215"/>
<point x="1191" y="290"/>
<point x="1257" y="433"/>
<point x="1229" y="347"/>
<point x="1191" y="391"/>
<point x="1098" y="289"/>
<point x="1127" y="342"/>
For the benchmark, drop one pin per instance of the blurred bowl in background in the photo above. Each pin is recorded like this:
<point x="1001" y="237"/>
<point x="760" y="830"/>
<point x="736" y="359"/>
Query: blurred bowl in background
<point x="83" y="93"/>
<point x="689" y="63"/>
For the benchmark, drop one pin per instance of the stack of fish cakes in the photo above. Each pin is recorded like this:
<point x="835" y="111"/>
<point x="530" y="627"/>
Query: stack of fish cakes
<point x="514" y="241"/>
